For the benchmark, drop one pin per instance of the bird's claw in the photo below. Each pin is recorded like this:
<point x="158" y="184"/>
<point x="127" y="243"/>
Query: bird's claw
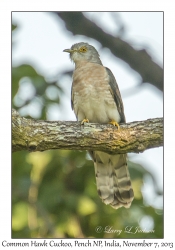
<point x="84" y="121"/>
<point x="114" y="123"/>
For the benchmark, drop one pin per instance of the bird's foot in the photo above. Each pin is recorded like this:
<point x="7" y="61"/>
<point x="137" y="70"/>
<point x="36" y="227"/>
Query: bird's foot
<point x="114" y="123"/>
<point x="84" y="120"/>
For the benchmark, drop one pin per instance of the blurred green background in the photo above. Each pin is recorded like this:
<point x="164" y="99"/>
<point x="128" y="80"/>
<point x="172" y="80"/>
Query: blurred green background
<point x="54" y="192"/>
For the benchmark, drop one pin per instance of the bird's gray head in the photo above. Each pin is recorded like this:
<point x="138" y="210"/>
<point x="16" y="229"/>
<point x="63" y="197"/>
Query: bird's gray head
<point x="83" y="52"/>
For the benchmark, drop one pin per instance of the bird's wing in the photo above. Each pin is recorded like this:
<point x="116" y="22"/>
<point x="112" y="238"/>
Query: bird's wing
<point x="116" y="95"/>
<point x="72" y="98"/>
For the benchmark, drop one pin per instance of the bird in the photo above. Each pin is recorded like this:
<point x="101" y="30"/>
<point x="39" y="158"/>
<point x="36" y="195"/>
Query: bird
<point x="95" y="98"/>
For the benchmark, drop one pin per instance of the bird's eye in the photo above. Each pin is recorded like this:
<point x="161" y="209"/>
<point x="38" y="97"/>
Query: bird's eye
<point x="83" y="49"/>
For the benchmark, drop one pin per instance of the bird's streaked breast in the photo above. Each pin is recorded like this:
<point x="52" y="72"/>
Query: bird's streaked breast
<point x="92" y="98"/>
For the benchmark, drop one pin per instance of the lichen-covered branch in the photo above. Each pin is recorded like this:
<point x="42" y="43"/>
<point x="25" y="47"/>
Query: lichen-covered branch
<point x="37" y="135"/>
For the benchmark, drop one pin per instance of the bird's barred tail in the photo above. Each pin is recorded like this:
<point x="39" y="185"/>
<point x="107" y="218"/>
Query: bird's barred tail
<point x="113" y="179"/>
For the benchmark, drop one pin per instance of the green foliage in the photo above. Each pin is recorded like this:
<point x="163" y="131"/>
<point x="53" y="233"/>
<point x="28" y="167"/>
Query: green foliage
<point x="14" y="27"/>
<point x="26" y="75"/>
<point x="54" y="193"/>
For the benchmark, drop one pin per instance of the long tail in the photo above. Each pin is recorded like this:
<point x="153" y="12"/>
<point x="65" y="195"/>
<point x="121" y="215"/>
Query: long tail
<point x="113" y="179"/>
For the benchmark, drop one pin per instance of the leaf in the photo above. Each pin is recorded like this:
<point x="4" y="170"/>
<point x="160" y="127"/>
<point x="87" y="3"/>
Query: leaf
<point x="14" y="26"/>
<point x="86" y="206"/>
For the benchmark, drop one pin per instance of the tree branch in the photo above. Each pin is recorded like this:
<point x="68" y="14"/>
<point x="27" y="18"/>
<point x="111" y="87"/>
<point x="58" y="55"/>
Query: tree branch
<point x="139" y="60"/>
<point x="37" y="135"/>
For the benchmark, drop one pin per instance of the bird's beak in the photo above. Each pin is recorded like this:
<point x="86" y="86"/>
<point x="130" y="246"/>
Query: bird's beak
<point x="68" y="50"/>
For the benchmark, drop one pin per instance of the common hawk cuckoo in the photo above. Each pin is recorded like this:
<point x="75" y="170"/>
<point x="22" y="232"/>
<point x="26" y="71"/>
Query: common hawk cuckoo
<point x="95" y="97"/>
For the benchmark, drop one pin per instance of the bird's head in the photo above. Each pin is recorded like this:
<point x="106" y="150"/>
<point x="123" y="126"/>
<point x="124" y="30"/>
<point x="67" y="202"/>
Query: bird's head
<point x="83" y="52"/>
